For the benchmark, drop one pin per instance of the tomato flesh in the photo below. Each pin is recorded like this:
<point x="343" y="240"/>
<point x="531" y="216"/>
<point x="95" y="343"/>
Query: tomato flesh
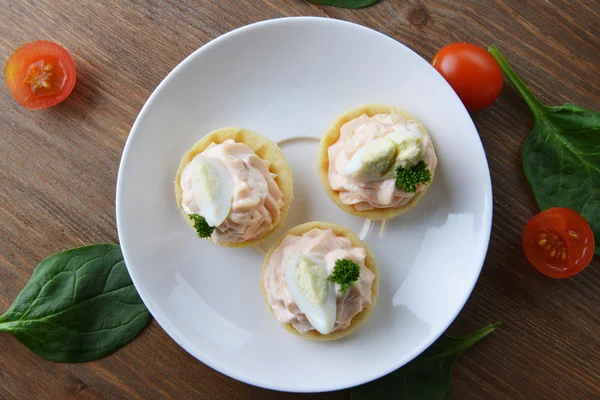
<point x="472" y="72"/>
<point x="40" y="74"/>
<point x="558" y="242"/>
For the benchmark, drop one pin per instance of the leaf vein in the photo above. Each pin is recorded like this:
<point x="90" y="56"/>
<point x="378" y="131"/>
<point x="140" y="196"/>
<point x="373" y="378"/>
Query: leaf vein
<point x="91" y="332"/>
<point x="73" y="306"/>
<point x="552" y="129"/>
<point x="40" y="291"/>
<point x="108" y="276"/>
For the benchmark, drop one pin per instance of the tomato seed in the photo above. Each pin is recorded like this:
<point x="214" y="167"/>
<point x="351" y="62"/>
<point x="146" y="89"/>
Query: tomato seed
<point x="553" y="244"/>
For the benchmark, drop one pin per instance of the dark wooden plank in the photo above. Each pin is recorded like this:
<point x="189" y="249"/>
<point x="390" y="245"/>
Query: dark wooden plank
<point x="58" y="171"/>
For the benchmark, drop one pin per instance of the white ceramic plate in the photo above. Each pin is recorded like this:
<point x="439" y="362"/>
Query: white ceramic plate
<point x="288" y="79"/>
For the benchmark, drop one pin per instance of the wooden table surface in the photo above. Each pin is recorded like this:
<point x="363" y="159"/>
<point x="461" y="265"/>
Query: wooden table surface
<point x="58" y="169"/>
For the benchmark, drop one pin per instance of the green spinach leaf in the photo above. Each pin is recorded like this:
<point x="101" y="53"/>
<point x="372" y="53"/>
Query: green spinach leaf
<point x="427" y="376"/>
<point x="346" y="3"/>
<point x="79" y="305"/>
<point x="561" y="156"/>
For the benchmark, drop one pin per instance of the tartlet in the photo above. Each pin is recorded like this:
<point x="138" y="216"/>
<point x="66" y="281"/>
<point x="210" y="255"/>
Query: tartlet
<point x="331" y="137"/>
<point x="368" y="263"/>
<point x="266" y="150"/>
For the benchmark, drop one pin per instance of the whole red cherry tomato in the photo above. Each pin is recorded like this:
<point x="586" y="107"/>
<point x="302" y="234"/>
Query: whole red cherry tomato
<point x="472" y="72"/>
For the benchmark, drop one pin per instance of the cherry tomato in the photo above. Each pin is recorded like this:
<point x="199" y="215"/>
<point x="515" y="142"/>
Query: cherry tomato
<point x="558" y="242"/>
<point x="40" y="74"/>
<point x="472" y="72"/>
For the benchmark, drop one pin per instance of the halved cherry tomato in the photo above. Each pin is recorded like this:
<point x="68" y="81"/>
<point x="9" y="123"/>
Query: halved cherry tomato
<point x="558" y="242"/>
<point x="40" y="74"/>
<point x="472" y="72"/>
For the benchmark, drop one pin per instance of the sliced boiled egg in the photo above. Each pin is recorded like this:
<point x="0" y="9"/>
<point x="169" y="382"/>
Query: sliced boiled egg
<point x="212" y="186"/>
<point x="380" y="158"/>
<point x="409" y="145"/>
<point x="315" y="296"/>
<point x="373" y="160"/>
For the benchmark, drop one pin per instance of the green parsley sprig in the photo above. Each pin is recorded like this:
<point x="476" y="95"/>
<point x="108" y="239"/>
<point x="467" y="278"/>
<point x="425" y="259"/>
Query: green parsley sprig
<point x="408" y="178"/>
<point x="345" y="272"/>
<point x="203" y="230"/>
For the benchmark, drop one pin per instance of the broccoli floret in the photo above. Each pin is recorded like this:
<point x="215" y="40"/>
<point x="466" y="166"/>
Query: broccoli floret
<point x="408" y="178"/>
<point x="203" y="230"/>
<point x="345" y="272"/>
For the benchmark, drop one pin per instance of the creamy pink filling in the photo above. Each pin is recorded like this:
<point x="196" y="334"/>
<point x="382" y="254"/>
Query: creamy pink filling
<point x="323" y="245"/>
<point x="371" y="194"/>
<point x="257" y="200"/>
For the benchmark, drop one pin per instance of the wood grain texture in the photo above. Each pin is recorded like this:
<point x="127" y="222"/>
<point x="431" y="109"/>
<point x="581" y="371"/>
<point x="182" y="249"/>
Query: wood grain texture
<point x="58" y="171"/>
